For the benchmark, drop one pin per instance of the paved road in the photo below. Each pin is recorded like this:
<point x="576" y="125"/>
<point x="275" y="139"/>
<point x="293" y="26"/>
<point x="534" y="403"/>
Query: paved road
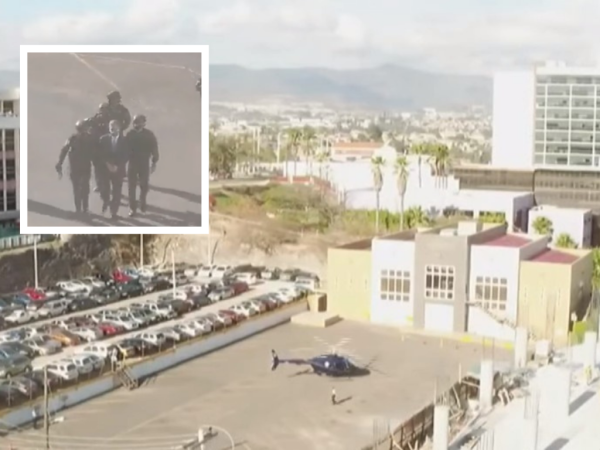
<point x="64" y="88"/>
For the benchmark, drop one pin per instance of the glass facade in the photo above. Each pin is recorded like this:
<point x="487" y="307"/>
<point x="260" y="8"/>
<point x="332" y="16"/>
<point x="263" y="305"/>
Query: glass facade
<point x="567" y="121"/>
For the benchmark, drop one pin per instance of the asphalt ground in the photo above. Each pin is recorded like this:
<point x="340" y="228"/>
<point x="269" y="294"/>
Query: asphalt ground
<point x="235" y="391"/>
<point x="63" y="88"/>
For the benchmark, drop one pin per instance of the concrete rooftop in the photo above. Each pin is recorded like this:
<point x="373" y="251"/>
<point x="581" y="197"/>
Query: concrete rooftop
<point x="263" y="410"/>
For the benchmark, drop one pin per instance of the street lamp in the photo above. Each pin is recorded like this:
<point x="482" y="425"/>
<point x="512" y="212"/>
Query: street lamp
<point x="174" y="279"/>
<point x="141" y="251"/>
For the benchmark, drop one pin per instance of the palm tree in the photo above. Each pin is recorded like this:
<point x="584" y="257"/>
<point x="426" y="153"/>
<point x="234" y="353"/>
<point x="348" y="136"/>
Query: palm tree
<point x="401" y="172"/>
<point x="596" y="271"/>
<point x="377" y="164"/>
<point x="439" y="159"/>
<point x="308" y="141"/>
<point x="420" y="150"/>
<point x="294" y="136"/>
<point x="564" y="240"/>
<point x="542" y="225"/>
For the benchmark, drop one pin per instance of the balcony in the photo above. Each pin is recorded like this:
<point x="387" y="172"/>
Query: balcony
<point x="9" y="121"/>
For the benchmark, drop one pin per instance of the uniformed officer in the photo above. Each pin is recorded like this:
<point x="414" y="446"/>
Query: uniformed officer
<point x="79" y="148"/>
<point x="143" y="147"/>
<point x="98" y="128"/>
<point x="117" y="111"/>
<point x="199" y="85"/>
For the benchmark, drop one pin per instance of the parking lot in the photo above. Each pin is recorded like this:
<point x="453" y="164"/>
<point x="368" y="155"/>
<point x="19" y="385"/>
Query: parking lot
<point x="235" y="389"/>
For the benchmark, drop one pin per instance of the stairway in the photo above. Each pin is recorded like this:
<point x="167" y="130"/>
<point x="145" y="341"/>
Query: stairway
<point x="126" y="378"/>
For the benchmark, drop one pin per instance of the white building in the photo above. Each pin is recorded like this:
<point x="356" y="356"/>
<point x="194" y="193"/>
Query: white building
<point x="547" y="117"/>
<point x="9" y="149"/>
<point x="576" y="222"/>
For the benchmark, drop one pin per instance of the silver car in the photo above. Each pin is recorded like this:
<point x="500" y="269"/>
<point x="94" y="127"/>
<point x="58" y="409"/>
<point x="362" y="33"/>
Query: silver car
<point x="43" y="344"/>
<point x="13" y="365"/>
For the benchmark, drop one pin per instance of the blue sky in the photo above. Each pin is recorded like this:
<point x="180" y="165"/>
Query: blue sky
<point x="471" y="36"/>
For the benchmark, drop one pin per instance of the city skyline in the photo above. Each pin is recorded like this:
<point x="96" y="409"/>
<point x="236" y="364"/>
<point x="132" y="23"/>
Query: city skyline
<point x="464" y="37"/>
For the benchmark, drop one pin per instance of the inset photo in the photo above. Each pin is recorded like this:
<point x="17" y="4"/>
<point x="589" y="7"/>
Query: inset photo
<point x="114" y="139"/>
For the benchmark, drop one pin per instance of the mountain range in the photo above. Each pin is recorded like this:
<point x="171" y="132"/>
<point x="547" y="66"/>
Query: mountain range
<point x="387" y="87"/>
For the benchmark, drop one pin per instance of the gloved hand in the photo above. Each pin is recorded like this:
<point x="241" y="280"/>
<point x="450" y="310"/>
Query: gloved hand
<point x="58" y="169"/>
<point x="152" y="167"/>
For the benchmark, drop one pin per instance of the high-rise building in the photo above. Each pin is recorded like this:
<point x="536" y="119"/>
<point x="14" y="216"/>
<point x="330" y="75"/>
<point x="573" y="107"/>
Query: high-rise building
<point x="547" y="117"/>
<point x="9" y="149"/>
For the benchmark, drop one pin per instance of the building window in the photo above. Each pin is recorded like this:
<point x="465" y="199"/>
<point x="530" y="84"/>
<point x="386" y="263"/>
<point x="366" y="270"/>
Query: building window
<point x="9" y="140"/>
<point x="491" y="293"/>
<point x="8" y="107"/>
<point x="395" y="285"/>
<point x="11" y="169"/>
<point x="439" y="282"/>
<point x="11" y="201"/>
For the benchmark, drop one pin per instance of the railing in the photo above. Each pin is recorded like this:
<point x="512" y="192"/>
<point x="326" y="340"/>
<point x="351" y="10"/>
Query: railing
<point x="25" y="240"/>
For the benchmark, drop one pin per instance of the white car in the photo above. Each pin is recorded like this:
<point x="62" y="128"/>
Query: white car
<point x="246" y="310"/>
<point x="73" y="287"/>
<point x="257" y="306"/>
<point x="191" y="272"/>
<point x="205" y="271"/>
<point x="146" y="272"/>
<point x="196" y="289"/>
<point x="170" y="333"/>
<point x="20" y="316"/>
<point x="53" y="308"/>
<point x="162" y="310"/>
<point x="221" y="272"/>
<point x="10" y="336"/>
<point x="94" y="282"/>
<point x="180" y="294"/>
<point x="123" y="322"/>
<point x="43" y="345"/>
<point x="87" y="333"/>
<point x="224" y="319"/>
<point x="188" y="330"/>
<point x="100" y="350"/>
<point x="97" y="361"/>
<point x="247" y="277"/>
<point x="153" y="337"/>
<point x="83" y="363"/>
<point x="65" y="370"/>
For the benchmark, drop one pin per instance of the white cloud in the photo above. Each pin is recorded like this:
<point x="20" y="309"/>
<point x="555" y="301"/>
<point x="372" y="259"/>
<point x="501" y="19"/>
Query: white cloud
<point x="337" y="33"/>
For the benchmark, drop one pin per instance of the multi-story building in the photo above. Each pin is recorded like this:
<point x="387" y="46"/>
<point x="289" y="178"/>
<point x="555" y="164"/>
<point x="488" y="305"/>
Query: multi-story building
<point x="547" y="117"/>
<point x="469" y="277"/>
<point x="9" y="149"/>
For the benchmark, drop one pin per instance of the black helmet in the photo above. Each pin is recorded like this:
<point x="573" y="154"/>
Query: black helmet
<point x="139" y="119"/>
<point x="103" y="107"/>
<point x="80" y="125"/>
<point x="114" y="95"/>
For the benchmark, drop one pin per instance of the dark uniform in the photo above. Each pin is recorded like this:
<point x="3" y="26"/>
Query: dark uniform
<point x="98" y="128"/>
<point x="79" y="147"/>
<point x="143" y="148"/>
<point x="199" y="85"/>
<point x="117" y="111"/>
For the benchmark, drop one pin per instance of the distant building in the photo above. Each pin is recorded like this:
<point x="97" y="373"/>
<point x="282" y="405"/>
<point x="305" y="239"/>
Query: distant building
<point x="470" y="277"/>
<point x="547" y="117"/>
<point x="576" y="222"/>
<point x="350" y="151"/>
<point x="9" y="149"/>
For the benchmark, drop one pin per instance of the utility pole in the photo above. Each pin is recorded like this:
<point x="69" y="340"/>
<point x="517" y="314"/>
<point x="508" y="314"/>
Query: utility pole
<point x="174" y="280"/>
<point x="35" y="263"/>
<point x="46" y="409"/>
<point x="141" y="250"/>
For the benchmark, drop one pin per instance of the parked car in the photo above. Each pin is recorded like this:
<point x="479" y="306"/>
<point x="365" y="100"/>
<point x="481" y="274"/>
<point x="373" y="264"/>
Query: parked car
<point x="73" y="286"/>
<point x="83" y="363"/>
<point x="249" y="278"/>
<point x="12" y="365"/>
<point x="171" y="333"/>
<point x="139" y="346"/>
<point x="65" y="370"/>
<point x="110" y="329"/>
<point x="179" y="306"/>
<point x="81" y="304"/>
<point x="270" y="303"/>
<point x="101" y="350"/>
<point x="65" y="337"/>
<point x="233" y="315"/>
<point x="239" y="287"/>
<point x="205" y="271"/>
<point x="19" y="348"/>
<point x="153" y="337"/>
<point x="221" y="272"/>
<point x="53" y="308"/>
<point x="188" y="330"/>
<point x="199" y="301"/>
<point x="43" y="345"/>
<point x="97" y="361"/>
<point x="26" y="386"/>
<point x="259" y="307"/>
<point x="87" y="334"/>
<point x="130" y="289"/>
<point x="221" y="294"/>
<point x="244" y="310"/>
<point x="163" y="310"/>
<point x="215" y="323"/>
<point x="107" y="295"/>
<point x="19" y="317"/>
<point x="289" y="274"/>
<point x="38" y="377"/>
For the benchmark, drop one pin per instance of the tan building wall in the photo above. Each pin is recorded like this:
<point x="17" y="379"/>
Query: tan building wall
<point x="349" y="282"/>
<point x="550" y="292"/>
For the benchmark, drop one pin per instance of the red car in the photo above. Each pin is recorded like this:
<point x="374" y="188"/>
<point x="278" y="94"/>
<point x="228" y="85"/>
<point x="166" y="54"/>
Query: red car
<point x="239" y="287"/>
<point x="110" y="329"/>
<point x="235" y="317"/>
<point x="120" y="277"/>
<point x="34" y="294"/>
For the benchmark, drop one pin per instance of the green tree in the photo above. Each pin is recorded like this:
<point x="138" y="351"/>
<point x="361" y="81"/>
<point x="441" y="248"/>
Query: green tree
<point x="564" y="240"/>
<point x="492" y="217"/>
<point x="439" y="158"/>
<point x="308" y="147"/>
<point x="294" y="136"/>
<point x="222" y="156"/>
<point x="401" y="172"/>
<point x="377" y="164"/>
<point x="420" y="151"/>
<point x="596" y="271"/>
<point x="374" y="133"/>
<point x="416" y="217"/>
<point x="543" y="225"/>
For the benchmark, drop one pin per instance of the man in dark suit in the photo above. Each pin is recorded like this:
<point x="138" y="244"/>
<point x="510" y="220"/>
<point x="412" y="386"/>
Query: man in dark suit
<point x="114" y="155"/>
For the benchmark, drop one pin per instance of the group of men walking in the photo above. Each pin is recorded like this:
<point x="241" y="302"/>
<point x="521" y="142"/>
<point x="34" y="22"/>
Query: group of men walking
<point x="102" y="145"/>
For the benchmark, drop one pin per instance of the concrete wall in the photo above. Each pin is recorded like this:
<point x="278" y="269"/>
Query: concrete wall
<point x="433" y="249"/>
<point x="349" y="283"/>
<point x="581" y="274"/>
<point x="497" y="262"/>
<point x="577" y="223"/>
<point x="544" y="300"/>
<point x="389" y="254"/>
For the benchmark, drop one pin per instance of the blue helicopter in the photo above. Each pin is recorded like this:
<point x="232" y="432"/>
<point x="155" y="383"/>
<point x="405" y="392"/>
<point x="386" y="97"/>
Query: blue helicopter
<point x="331" y="365"/>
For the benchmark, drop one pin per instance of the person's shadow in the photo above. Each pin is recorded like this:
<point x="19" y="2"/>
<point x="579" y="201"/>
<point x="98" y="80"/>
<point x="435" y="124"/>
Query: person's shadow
<point x="189" y="196"/>
<point x="44" y="209"/>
